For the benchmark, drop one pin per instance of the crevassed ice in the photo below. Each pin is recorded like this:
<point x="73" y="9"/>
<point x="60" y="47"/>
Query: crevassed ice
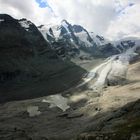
<point x="57" y="101"/>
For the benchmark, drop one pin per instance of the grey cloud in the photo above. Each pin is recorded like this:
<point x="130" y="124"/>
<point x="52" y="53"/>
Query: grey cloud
<point x="99" y="16"/>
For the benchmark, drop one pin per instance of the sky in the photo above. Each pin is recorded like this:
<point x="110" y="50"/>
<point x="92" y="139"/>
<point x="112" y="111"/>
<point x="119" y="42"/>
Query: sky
<point x="114" y="19"/>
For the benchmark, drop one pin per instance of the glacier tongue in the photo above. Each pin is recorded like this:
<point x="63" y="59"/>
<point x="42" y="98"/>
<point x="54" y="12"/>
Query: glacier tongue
<point x="115" y="69"/>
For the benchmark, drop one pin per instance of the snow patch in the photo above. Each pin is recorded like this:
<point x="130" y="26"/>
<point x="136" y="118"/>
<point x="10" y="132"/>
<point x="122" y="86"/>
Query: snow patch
<point x="57" y="101"/>
<point x="83" y="37"/>
<point x="33" y="111"/>
<point x="1" y="20"/>
<point x="25" y="24"/>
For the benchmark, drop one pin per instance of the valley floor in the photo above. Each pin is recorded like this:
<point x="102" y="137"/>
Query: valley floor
<point x="112" y="115"/>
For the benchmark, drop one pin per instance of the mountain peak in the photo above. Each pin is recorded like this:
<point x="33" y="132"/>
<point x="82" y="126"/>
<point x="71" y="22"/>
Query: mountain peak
<point x="64" y="21"/>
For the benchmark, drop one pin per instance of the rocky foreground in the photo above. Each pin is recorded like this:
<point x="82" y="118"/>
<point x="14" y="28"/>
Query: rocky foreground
<point x="80" y="114"/>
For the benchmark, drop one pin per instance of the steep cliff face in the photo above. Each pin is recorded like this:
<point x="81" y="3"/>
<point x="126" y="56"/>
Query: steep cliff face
<point x="21" y="45"/>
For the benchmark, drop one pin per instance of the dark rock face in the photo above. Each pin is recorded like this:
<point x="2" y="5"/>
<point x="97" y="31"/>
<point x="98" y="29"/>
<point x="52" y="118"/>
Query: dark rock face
<point x="13" y="35"/>
<point x="108" y="50"/>
<point x="77" y="28"/>
<point x="18" y="46"/>
<point x="100" y="38"/>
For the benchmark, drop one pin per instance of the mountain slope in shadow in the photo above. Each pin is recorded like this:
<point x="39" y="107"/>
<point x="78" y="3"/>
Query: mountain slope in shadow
<point x="28" y="66"/>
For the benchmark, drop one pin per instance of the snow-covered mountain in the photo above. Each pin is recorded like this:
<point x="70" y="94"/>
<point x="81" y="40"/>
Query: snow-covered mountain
<point x="66" y="39"/>
<point x="72" y="40"/>
<point x="74" y="33"/>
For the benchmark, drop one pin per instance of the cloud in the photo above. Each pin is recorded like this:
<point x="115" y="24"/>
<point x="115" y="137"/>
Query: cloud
<point x="42" y="3"/>
<point x="111" y="18"/>
<point x="127" y="24"/>
<point x="27" y="9"/>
